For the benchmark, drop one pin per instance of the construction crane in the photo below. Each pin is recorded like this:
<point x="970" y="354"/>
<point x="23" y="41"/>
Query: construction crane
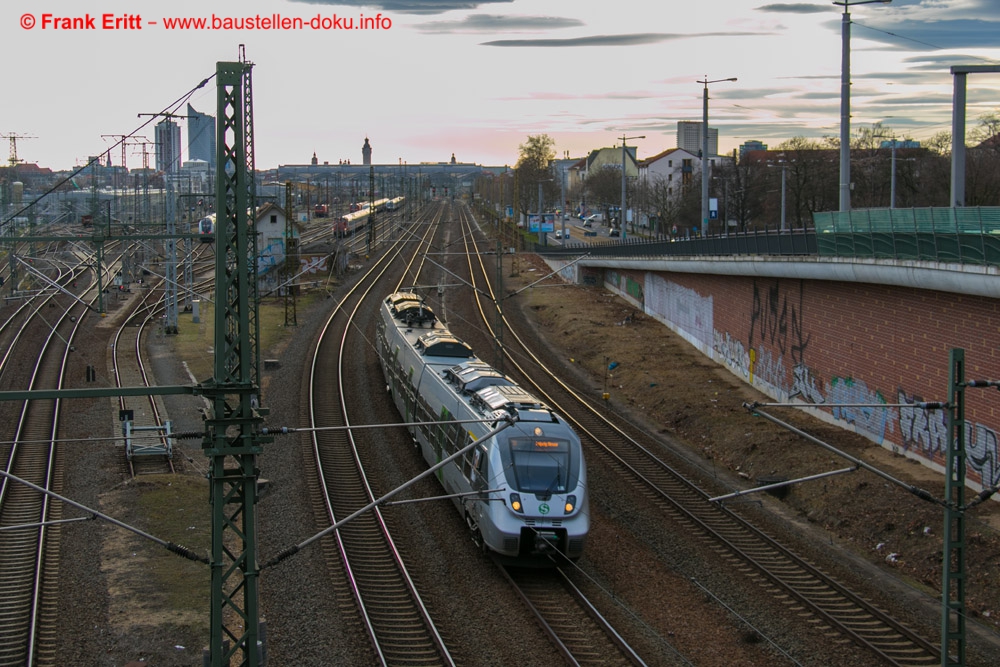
<point x="14" y="161"/>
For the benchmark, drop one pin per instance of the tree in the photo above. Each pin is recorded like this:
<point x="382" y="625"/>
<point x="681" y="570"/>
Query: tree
<point x="532" y="168"/>
<point x="810" y="182"/>
<point x="604" y="189"/>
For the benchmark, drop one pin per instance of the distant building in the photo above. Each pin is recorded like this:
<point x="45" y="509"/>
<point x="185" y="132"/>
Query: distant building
<point x="689" y="137"/>
<point x="612" y="157"/>
<point x="270" y="225"/>
<point x="751" y="145"/>
<point x="366" y="153"/>
<point x="168" y="146"/>
<point x="201" y="136"/>
<point x="674" y="168"/>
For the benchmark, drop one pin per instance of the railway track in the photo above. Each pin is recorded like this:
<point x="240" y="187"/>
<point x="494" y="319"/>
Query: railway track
<point x="395" y="618"/>
<point x="583" y="636"/>
<point x="38" y="339"/>
<point x="151" y="451"/>
<point x="28" y="547"/>
<point x="784" y="574"/>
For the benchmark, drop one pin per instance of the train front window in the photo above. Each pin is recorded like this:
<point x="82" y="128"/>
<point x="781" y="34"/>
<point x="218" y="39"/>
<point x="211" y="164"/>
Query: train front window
<point x="540" y="466"/>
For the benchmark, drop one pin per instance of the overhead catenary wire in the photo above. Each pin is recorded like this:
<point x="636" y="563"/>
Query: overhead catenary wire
<point x="508" y="421"/>
<point x="168" y="109"/>
<point x="170" y="546"/>
<point x="754" y="408"/>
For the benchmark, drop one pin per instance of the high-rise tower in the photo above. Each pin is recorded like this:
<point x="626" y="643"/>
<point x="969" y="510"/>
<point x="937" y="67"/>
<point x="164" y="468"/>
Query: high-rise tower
<point x="201" y="136"/>
<point x="168" y="146"/>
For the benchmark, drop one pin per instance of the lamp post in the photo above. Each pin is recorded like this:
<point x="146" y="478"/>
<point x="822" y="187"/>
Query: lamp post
<point x="783" y="165"/>
<point x="845" y="99"/>
<point x="621" y="214"/>
<point x="704" y="153"/>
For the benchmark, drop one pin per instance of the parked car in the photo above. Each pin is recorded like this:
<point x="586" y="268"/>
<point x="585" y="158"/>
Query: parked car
<point x="615" y="232"/>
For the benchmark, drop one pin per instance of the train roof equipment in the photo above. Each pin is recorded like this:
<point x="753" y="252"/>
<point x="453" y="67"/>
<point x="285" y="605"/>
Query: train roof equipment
<point x="441" y="343"/>
<point x="514" y="400"/>
<point x="471" y="376"/>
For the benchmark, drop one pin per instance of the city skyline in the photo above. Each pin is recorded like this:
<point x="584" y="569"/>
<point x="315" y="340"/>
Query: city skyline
<point x="476" y="78"/>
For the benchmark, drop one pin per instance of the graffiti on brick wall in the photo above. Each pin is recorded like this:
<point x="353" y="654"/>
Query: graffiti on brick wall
<point x="804" y="385"/>
<point x="868" y="420"/>
<point x="922" y="431"/>
<point x="776" y="319"/>
<point x="682" y="307"/>
<point x="768" y="368"/>
<point x="925" y="432"/>
<point x="732" y="353"/>
<point x="981" y="452"/>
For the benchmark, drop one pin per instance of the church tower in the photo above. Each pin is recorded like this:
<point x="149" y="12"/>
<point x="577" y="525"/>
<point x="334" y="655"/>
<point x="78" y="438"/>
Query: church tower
<point x="366" y="153"/>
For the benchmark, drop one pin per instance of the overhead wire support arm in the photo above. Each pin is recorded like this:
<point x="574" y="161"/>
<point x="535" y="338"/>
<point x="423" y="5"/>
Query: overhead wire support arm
<point x="920" y="493"/>
<point x="169" y="546"/>
<point x="508" y="421"/>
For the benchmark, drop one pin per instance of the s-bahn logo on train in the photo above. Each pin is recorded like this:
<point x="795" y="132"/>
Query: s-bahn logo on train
<point x="522" y="491"/>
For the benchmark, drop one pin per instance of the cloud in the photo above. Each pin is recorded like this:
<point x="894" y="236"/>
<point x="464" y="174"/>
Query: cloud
<point x="940" y="63"/>
<point x="614" y="40"/>
<point x="497" y="23"/>
<point x="410" y="6"/>
<point x="794" y="8"/>
<point x="923" y="35"/>
<point x="545" y="95"/>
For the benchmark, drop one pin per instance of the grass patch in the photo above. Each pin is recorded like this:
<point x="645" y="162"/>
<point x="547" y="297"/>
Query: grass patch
<point x="195" y="342"/>
<point x="176" y="509"/>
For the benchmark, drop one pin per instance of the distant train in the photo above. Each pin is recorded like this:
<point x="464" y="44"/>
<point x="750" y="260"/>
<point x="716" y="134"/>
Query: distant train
<point x="357" y="219"/>
<point x="206" y="229"/>
<point x="522" y="492"/>
<point x="350" y="223"/>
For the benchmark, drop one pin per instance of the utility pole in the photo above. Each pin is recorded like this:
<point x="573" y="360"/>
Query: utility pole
<point x="291" y="255"/>
<point x="170" y="245"/>
<point x="11" y="178"/>
<point x="371" y="208"/>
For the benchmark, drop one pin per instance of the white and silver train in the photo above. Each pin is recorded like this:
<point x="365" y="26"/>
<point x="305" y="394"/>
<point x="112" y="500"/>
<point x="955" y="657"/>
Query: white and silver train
<point x="523" y="491"/>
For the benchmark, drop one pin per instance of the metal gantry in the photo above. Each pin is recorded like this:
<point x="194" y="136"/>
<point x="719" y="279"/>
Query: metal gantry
<point x="953" y="565"/>
<point x="291" y="257"/>
<point x="233" y="438"/>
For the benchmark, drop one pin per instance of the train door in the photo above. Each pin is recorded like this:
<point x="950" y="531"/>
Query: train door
<point x="476" y="470"/>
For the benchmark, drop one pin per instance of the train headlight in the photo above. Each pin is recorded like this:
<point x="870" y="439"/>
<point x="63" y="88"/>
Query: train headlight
<point x="515" y="503"/>
<point x="570" y="504"/>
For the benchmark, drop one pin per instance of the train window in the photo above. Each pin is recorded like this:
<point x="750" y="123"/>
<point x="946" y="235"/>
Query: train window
<point x="541" y="467"/>
<point x="477" y="463"/>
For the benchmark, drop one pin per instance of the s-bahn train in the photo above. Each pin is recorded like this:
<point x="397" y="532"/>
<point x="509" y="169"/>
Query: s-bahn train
<point x="523" y="491"/>
<point x="206" y="228"/>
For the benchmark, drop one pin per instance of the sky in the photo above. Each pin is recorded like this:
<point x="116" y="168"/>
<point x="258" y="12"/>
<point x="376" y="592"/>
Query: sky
<point x="476" y="78"/>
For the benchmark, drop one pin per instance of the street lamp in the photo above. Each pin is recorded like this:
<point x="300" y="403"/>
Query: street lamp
<point x="704" y="153"/>
<point x="845" y="99"/>
<point x="621" y="214"/>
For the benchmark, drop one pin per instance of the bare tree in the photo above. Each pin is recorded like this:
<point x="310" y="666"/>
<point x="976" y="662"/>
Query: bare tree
<point x="604" y="189"/>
